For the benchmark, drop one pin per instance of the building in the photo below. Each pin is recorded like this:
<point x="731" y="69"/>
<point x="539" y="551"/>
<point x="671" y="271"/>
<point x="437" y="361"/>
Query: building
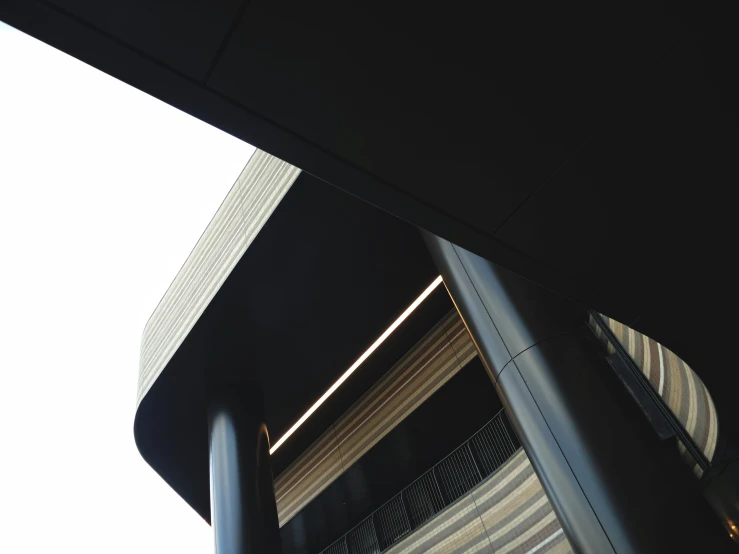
<point x="527" y="424"/>
<point x="562" y="162"/>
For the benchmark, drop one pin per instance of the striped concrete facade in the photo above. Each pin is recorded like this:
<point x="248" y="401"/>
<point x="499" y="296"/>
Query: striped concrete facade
<point x="681" y="389"/>
<point x="435" y="359"/>
<point x="259" y="189"/>
<point x="508" y="513"/>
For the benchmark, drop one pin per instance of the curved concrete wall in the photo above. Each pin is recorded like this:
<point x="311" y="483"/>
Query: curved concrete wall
<point x="259" y="189"/>
<point x="677" y="384"/>
<point x="509" y="513"/>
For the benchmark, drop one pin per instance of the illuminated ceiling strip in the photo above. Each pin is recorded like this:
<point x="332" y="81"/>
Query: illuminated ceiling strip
<point x="360" y="360"/>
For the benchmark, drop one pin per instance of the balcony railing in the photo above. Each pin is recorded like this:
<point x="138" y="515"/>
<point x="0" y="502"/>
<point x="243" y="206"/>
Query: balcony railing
<point x="450" y="479"/>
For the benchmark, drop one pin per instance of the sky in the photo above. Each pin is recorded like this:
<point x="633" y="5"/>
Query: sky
<point x="104" y="191"/>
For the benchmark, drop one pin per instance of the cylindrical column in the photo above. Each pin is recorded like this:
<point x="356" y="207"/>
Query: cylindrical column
<point x="613" y="485"/>
<point x="243" y="509"/>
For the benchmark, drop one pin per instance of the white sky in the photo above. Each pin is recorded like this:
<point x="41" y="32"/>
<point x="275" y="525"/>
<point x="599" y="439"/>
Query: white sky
<point x="103" y="193"/>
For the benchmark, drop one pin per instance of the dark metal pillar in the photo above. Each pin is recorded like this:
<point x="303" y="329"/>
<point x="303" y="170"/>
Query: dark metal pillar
<point x="613" y="484"/>
<point x="243" y="509"/>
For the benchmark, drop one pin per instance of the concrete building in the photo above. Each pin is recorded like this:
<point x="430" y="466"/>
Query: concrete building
<point x="485" y="415"/>
<point x="561" y="169"/>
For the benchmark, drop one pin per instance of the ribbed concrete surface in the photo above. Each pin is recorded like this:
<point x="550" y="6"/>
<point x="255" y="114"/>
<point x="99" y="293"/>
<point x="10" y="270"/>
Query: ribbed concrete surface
<point x="677" y="384"/>
<point x="435" y="359"/>
<point x="509" y="513"/>
<point x="259" y="189"/>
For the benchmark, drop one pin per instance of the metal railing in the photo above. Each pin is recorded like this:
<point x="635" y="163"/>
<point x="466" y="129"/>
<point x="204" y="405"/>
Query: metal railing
<point x="450" y="479"/>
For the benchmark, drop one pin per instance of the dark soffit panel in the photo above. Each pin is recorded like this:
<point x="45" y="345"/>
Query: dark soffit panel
<point x="379" y="86"/>
<point x="326" y="275"/>
<point x="620" y="194"/>
<point x="657" y="222"/>
<point x="642" y="39"/>
<point x="446" y="105"/>
<point x="624" y="46"/>
<point x="185" y="35"/>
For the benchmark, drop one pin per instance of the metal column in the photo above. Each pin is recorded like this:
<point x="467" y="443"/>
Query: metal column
<point x="613" y="485"/>
<point x="243" y="509"/>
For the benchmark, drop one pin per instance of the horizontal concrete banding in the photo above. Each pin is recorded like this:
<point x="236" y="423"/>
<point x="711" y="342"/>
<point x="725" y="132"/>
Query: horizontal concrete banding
<point x="677" y="384"/>
<point x="435" y="359"/>
<point x="258" y="190"/>
<point x="507" y="513"/>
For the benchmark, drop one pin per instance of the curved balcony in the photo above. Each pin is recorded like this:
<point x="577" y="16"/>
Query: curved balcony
<point x="466" y="499"/>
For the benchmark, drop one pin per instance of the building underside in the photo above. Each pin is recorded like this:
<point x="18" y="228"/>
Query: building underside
<point x="563" y="168"/>
<point x="391" y="406"/>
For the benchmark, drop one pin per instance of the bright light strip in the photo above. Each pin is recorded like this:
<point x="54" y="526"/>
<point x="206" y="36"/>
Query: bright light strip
<point x="408" y="311"/>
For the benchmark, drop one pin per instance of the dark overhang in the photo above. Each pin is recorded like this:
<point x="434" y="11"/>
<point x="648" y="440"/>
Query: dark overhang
<point x="587" y="148"/>
<point x="321" y="280"/>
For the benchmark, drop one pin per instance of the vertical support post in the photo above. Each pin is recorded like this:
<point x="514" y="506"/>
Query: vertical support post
<point x="438" y="488"/>
<point x="405" y="513"/>
<point x="614" y="487"/>
<point x="474" y="462"/>
<point x="374" y="533"/>
<point x="243" y="508"/>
